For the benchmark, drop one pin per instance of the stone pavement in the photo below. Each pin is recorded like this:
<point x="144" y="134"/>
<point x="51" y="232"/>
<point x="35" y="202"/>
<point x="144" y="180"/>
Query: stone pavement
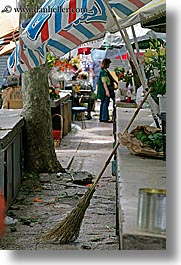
<point x="43" y="201"/>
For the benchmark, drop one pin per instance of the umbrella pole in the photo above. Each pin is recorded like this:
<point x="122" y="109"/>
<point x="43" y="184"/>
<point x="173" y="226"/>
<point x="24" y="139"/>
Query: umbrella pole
<point x="140" y="74"/>
<point x="128" y="45"/>
<point x="138" y="52"/>
<point x="154" y="113"/>
<point x="125" y="37"/>
<point x="133" y="57"/>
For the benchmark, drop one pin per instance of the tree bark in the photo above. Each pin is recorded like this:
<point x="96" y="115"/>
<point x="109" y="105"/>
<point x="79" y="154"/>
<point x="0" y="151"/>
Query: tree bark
<point x="39" y="151"/>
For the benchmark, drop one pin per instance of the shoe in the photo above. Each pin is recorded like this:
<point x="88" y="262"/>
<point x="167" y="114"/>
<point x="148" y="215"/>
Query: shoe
<point x="88" y="117"/>
<point x="109" y="121"/>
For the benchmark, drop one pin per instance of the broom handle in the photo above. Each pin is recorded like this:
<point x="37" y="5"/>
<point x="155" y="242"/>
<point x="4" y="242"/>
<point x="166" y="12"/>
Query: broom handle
<point x="117" y="145"/>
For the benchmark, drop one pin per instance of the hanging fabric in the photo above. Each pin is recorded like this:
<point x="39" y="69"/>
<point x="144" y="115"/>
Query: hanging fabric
<point x="62" y="25"/>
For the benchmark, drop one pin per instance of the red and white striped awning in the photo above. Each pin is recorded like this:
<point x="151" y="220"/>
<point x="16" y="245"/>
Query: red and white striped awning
<point x="71" y="23"/>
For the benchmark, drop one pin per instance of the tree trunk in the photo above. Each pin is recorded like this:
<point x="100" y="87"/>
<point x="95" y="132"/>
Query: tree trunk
<point x="39" y="151"/>
<point x="39" y="154"/>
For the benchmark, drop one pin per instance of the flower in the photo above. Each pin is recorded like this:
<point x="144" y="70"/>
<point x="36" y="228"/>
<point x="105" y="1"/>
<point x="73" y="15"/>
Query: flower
<point x="155" y="68"/>
<point x="123" y="76"/>
<point x="76" y="88"/>
<point x="54" y="93"/>
<point x="62" y="64"/>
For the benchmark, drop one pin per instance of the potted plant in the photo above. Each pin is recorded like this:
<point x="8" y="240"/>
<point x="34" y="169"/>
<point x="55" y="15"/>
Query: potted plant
<point x="155" y="70"/>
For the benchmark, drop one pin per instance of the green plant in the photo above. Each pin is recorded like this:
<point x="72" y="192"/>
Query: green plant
<point x="50" y="60"/>
<point x="155" y="68"/>
<point x="154" y="140"/>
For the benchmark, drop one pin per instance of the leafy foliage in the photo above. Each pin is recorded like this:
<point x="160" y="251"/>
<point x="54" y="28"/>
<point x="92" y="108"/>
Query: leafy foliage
<point x="50" y="60"/>
<point x="155" y="68"/>
<point x="154" y="140"/>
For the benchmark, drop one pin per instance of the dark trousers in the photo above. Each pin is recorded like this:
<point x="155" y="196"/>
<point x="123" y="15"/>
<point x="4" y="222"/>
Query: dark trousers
<point x="104" y="111"/>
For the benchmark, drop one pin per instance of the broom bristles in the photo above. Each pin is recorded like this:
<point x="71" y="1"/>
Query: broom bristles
<point x="68" y="229"/>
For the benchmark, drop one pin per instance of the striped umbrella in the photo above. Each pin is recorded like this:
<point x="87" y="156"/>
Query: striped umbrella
<point x="62" y="25"/>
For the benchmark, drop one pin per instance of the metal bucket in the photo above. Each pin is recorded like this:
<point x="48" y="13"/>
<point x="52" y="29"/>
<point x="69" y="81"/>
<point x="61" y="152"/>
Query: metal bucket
<point x="151" y="215"/>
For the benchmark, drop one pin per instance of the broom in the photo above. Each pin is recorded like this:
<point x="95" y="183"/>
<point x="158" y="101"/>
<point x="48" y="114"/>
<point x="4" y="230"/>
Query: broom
<point x="68" y="229"/>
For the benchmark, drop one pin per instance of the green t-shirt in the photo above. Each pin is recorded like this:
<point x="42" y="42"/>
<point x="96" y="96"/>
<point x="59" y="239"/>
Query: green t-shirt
<point x="104" y="77"/>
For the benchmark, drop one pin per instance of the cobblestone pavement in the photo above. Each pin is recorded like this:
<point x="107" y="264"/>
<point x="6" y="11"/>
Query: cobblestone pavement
<point x="43" y="201"/>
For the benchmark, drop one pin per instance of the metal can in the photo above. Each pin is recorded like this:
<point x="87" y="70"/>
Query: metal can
<point x="151" y="215"/>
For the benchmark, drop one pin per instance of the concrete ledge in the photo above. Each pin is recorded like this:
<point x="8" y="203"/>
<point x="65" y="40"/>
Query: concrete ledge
<point x="140" y="242"/>
<point x="135" y="172"/>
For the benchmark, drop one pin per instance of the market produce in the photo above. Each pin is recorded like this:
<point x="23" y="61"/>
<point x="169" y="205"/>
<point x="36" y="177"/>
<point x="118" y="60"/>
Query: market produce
<point x="154" y="140"/>
<point x="144" y="140"/>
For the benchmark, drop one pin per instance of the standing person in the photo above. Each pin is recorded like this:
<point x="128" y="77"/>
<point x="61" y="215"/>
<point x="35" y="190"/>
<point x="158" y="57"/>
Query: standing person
<point x="95" y="69"/>
<point x="105" y="90"/>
